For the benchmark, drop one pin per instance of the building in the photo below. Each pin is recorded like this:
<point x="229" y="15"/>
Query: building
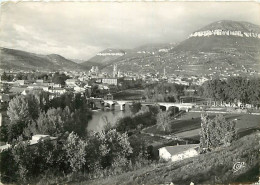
<point x="17" y="90"/>
<point x="57" y="90"/>
<point x="115" y="72"/>
<point x="44" y="87"/>
<point x="110" y="81"/>
<point x="78" y="89"/>
<point x="71" y="82"/>
<point x="35" y="139"/>
<point x="108" y="97"/>
<point x="39" y="81"/>
<point x="179" y="152"/>
<point x="20" y="82"/>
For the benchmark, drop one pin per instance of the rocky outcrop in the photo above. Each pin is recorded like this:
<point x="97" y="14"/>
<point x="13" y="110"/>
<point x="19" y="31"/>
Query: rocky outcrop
<point x="219" y="32"/>
<point x="110" y="54"/>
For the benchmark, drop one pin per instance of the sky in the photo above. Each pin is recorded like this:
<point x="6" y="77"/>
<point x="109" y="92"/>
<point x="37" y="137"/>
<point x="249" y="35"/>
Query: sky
<point x="79" y="30"/>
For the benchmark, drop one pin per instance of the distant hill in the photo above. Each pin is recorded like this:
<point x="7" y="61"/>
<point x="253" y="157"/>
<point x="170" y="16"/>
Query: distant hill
<point x="232" y="26"/>
<point x="104" y="58"/>
<point x="220" y="47"/>
<point x="21" y="60"/>
<point x="78" y="61"/>
<point x="108" y="57"/>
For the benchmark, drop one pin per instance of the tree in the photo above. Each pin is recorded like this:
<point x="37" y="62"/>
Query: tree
<point x="59" y="78"/>
<point x="18" y="109"/>
<point x="154" y="109"/>
<point x="24" y="158"/>
<point x="173" y="111"/>
<point x="163" y="121"/>
<point x="6" y="77"/>
<point x="216" y="132"/>
<point x="33" y="106"/>
<point x="135" y="107"/>
<point x="125" y="124"/>
<point x="8" y="167"/>
<point x="75" y="152"/>
<point x="19" y="115"/>
<point x="51" y="122"/>
<point x="114" y="145"/>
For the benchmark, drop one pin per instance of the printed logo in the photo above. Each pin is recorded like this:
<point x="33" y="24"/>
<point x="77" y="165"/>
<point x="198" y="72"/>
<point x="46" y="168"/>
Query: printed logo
<point x="238" y="165"/>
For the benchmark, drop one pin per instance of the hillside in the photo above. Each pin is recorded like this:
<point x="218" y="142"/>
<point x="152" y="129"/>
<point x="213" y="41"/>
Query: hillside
<point x="21" y="60"/>
<point x="104" y="57"/>
<point x="108" y="57"/>
<point x="211" y="168"/>
<point x="223" y="48"/>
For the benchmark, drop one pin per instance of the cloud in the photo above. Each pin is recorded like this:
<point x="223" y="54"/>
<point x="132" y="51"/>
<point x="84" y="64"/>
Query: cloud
<point x="81" y="29"/>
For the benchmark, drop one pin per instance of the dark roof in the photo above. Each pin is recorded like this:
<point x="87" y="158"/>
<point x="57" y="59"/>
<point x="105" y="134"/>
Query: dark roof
<point x="173" y="150"/>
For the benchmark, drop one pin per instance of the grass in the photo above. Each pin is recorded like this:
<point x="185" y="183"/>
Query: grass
<point x="188" y="126"/>
<point x="210" y="168"/>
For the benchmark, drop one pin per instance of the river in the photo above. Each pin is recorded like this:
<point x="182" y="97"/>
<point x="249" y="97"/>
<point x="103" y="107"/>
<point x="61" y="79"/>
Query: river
<point x="99" y="117"/>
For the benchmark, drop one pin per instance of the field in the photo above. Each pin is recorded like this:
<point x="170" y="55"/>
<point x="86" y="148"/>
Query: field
<point x="188" y="126"/>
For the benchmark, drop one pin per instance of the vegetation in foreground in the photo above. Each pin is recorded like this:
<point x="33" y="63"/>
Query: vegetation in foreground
<point x="211" y="168"/>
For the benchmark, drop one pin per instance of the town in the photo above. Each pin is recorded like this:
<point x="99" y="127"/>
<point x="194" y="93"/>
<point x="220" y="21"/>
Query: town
<point x="162" y="111"/>
<point x="129" y="93"/>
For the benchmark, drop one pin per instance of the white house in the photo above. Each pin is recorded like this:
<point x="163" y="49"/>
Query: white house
<point x="35" y="139"/>
<point x="57" y="90"/>
<point x="179" y="152"/>
<point x="71" y="82"/>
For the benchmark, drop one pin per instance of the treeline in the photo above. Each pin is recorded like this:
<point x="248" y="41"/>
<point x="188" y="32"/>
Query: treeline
<point x="71" y="158"/>
<point x="75" y="154"/>
<point x="35" y="113"/>
<point x="164" y="92"/>
<point x="234" y="89"/>
<point x="142" y="117"/>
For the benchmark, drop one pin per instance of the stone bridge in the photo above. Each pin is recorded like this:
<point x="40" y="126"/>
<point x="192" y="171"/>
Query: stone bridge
<point x="121" y="103"/>
<point x="167" y="105"/>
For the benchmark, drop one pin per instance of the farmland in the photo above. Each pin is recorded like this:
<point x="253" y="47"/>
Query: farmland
<point x="188" y="126"/>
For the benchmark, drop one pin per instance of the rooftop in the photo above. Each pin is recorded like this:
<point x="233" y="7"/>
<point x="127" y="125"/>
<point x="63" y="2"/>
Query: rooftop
<point x="173" y="150"/>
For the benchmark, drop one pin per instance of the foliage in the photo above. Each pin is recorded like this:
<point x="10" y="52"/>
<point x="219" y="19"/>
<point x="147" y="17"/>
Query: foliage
<point x="135" y="107"/>
<point x="173" y="111"/>
<point x="216" y="132"/>
<point x="20" y="112"/>
<point x="75" y="152"/>
<point x="7" y="167"/>
<point x="233" y="90"/>
<point x="163" y="120"/>
<point x="51" y="122"/>
<point x="164" y="92"/>
<point x="32" y="114"/>
<point x="133" y="122"/>
<point x="18" y="109"/>
<point x="58" y="78"/>
<point x="6" y="77"/>
<point x="211" y="168"/>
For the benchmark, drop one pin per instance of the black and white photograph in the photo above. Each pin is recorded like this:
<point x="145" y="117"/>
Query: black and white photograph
<point x="129" y="92"/>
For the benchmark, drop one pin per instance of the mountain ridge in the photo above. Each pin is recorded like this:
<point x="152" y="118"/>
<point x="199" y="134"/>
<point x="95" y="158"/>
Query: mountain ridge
<point x="22" y="60"/>
<point x="201" y="55"/>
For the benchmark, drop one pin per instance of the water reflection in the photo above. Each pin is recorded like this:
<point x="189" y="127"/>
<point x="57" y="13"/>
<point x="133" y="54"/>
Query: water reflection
<point x="99" y="118"/>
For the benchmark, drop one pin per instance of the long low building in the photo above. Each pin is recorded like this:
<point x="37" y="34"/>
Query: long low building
<point x="178" y="152"/>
